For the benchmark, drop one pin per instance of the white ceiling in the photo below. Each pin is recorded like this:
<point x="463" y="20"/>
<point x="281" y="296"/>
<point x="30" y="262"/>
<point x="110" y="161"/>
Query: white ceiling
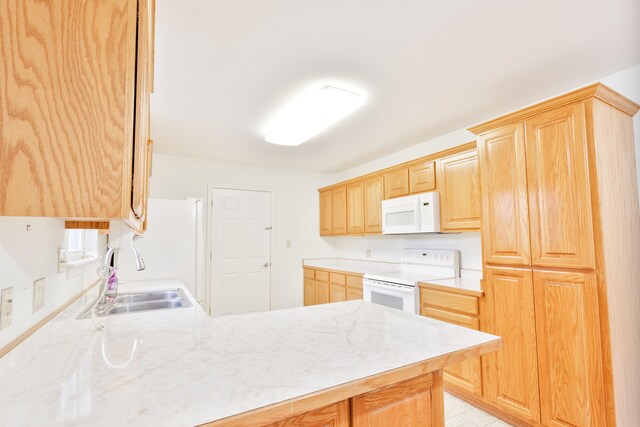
<point x="224" y="67"/>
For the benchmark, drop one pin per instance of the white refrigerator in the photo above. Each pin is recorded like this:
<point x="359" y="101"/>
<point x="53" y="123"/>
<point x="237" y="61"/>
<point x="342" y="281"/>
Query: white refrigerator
<point x="172" y="246"/>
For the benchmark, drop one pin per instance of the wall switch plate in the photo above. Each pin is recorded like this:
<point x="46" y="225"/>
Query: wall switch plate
<point x="38" y="294"/>
<point x="368" y="253"/>
<point x="62" y="260"/>
<point x="6" y="307"/>
<point x="288" y="243"/>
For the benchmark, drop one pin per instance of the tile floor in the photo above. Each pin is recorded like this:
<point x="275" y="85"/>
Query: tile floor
<point x="458" y="413"/>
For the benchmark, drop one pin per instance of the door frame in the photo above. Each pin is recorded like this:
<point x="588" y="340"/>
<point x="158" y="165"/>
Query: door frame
<point x="209" y="243"/>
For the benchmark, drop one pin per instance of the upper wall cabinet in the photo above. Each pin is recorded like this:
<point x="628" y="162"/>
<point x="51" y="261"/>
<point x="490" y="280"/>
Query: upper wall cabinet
<point x="355" y="208"/>
<point x="459" y="192"/>
<point x="326" y="213"/>
<point x="339" y="210"/>
<point x="373" y="192"/>
<point x="396" y="183"/>
<point x="76" y="78"/>
<point x="422" y="177"/>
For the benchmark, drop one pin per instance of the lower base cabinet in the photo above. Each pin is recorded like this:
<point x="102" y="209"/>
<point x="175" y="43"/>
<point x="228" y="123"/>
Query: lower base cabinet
<point x="418" y="402"/>
<point x="322" y="292"/>
<point x="323" y="286"/>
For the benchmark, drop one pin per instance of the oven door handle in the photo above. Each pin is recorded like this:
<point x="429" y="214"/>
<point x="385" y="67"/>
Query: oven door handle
<point x="390" y="290"/>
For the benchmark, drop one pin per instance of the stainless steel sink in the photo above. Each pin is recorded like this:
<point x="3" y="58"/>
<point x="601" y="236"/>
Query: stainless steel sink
<point x="136" y="302"/>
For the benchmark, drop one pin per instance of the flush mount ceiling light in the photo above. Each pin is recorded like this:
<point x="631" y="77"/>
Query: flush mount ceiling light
<point x="309" y="116"/>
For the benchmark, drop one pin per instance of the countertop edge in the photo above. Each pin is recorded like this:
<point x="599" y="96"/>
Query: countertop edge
<point x="309" y="402"/>
<point x="451" y="289"/>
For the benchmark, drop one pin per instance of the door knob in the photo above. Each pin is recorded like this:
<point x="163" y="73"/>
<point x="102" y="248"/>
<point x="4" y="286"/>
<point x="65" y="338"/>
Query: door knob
<point x="265" y="265"/>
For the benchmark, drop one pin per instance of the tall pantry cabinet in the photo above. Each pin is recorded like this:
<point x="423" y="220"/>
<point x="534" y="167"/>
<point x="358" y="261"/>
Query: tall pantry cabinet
<point x="561" y="247"/>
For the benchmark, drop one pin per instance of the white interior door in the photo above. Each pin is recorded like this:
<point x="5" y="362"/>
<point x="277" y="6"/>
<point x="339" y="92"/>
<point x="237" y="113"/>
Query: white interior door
<point x="240" y="251"/>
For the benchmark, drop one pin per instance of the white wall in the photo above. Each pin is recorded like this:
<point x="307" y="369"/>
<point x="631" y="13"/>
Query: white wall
<point x="26" y="256"/>
<point x="295" y="202"/>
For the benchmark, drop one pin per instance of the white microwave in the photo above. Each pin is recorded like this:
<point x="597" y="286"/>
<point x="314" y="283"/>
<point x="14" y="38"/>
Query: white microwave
<point x="419" y="213"/>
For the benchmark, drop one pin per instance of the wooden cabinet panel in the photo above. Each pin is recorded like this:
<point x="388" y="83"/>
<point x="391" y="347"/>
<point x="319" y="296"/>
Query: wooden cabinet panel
<point x="567" y="326"/>
<point x="373" y="191"/>
<point x="450" y="301"/>
<point x="309" y="292"/>
<point x="459" y="190"/>
<point x="337" y="293"/>
<point x="353" y="293"/>
<point x="336" y="415"/>
<point x="558" y="180"/>
<point x="422" y="177"/>
<point x="505" y="210"/>
<point x="67" y="104"/>
<point x="322" y="275"/>
<point x="512" y="372"/>
<point x="408" y="404"/>
<point x="326" y="213"/>
<point x="337" y="278"/>
<point x="355" y="208"/>
<point x="354" y="282"/>
<point x="447" y="316"/>
<point x="396" y="183"/>
<point x="322" y="292"/>
<point x="339" y="210"/>
<point x="309" y="273"/>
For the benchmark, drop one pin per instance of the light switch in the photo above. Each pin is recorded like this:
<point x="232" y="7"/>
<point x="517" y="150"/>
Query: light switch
<point x="288" y="243"/>
<point x="62" y="260"/>
<point x="6" y="307"/>
<point x="38" y="294"/>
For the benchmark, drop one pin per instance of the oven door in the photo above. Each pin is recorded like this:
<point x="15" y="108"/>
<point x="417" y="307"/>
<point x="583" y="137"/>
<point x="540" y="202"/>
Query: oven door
<point x="394" y="295"/>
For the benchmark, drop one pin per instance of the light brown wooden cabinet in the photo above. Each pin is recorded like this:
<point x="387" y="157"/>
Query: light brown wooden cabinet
<point x="459" y="187"/>
<point x="373" y="192"/>
<point x="355" y="208"/>
<point x="571" y="378"/>
<point x="462" y="310"/>
<point x="71" y="147"/>
<point x="396" y="183"/>
<point x="323" y="286"/>
<point x="512" y="372"/>
<point x="422" y="177"/>
<point x="560" y="201"/>
<point x="309" y="292"/>
<point x="321" y="292"/>
<point x="326" y="213"/>
<point x="505" y="207"/>
<point x="336" y="415"/>
<point x="339" y="210"/>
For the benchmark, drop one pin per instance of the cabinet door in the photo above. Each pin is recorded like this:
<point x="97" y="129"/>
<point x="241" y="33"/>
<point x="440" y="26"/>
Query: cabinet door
<point x="468" y="374"/>
<point x="322" y="292"/>
<point x="326" y="213"/>
<point x="422" y="177"/>
<point x="558" y="181"/>
<point x="512" y="372"/>
<point x="569" y="352"/>
<point x="143" y="90"/>
<point x="336" y="415"/>
<point x="408" y="404"/>
<point x="505" y="210"/>
<point x="373" y="191"/>
<point x="396" y="183"/>
<point x="459" y="192"/>
<point x="309" y="292"/>
<point x="355" y="208"/>
<point x="353" y="293"/>
<point x="337" y="293"/>
<point x="339" y="210"/>
<point x="66" y="108"/>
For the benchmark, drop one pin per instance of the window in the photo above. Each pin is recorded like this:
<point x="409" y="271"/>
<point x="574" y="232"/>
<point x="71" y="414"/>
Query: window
<point x="81" y="244"/>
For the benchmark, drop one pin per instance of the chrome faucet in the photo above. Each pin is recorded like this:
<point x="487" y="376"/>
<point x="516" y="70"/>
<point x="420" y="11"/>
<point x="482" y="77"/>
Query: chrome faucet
<point x="105" y="271"/>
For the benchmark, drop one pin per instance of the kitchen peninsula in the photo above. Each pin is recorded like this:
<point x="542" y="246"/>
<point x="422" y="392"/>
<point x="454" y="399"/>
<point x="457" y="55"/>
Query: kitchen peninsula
<point x="353" y="363"/>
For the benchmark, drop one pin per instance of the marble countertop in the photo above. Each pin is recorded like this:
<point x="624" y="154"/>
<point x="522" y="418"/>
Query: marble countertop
<point x="352" y="265"/>
<point x="469" y="286"/>
<point x="181" y="367"/>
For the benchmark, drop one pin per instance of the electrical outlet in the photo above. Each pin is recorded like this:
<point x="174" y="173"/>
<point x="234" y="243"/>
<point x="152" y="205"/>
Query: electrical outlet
<point x="288" y="243"/>
<point x="368" y="253"/>
<point x="6" y="307"/>
<point x="62" y="260"/>
<point x="38" y="294"/>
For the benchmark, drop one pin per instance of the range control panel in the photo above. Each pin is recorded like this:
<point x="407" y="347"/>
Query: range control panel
<point x="439" y="257"/>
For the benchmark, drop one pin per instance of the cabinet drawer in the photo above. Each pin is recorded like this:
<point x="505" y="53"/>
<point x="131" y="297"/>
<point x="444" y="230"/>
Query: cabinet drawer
<point x="322" y="275"/>
<point x="447" y="316"/>
<point x="449" y="301"/>
<point x="309" y="273"/>
<point x="337" y="278"/>
<point x="354" y="282"/>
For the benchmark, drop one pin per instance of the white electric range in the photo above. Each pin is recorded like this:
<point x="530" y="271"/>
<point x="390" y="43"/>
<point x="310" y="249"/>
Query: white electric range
<point x="399" y="289"/>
